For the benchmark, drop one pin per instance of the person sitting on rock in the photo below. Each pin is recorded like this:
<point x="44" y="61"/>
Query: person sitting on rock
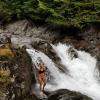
<point x="42" y="76"/>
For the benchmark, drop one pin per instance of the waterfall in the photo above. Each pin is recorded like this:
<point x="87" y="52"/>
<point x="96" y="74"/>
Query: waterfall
<point x="81" y="75"/>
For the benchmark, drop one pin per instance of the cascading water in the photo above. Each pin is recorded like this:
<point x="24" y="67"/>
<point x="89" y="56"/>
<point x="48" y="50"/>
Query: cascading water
<point x="81" y="75"/>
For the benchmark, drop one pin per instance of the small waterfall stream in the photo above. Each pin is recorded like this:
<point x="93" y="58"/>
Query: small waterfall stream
<point x="81" y="76"/>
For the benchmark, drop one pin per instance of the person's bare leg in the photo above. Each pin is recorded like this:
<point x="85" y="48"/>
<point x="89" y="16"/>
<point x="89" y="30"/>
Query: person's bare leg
<point x="41" y="88"/>
<point x="40" y="83"/>
<point x="44" y="85"/>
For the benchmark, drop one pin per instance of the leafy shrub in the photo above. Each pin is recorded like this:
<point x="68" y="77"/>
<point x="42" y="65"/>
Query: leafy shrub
<point x="64" y="13"/>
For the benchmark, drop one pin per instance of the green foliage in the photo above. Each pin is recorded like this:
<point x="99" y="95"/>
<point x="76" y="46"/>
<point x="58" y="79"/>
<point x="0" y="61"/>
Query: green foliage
<point x="58" y="13"/>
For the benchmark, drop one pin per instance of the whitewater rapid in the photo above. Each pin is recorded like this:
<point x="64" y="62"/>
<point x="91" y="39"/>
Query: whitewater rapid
<point x="82" y="71"/>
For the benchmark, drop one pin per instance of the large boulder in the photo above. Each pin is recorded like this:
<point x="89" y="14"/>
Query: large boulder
<point x="67" y="95"/>
<point x="15" y="74"/>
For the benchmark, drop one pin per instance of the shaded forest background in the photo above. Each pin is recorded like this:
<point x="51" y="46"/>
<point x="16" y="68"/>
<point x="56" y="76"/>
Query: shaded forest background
<point x="57" y="13"/>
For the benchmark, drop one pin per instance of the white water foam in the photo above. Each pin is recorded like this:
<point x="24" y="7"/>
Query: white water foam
<point x="81" y="76"/>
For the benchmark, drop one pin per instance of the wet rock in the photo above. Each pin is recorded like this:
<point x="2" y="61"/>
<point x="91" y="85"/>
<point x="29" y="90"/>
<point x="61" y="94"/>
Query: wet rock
<point x="4" y="79"/>
<point x="67" y="95"/>
<point x="15" y="74"/>
<point x="72" y="52"/>
<point x="25" y="32"/>
<point x="23" y="75"/>
<point x="47" y="48"/>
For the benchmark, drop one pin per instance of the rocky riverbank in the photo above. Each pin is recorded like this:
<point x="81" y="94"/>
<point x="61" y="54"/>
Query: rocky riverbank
<point x="15" y="73"/>
<point x="16" y="66"/>
<point x="25" y="32"/>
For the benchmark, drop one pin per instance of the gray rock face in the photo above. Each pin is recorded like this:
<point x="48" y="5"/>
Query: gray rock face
<point x="67" y="95"/>
<point x="16" y="75"/>
<point x="25" y="32"/>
